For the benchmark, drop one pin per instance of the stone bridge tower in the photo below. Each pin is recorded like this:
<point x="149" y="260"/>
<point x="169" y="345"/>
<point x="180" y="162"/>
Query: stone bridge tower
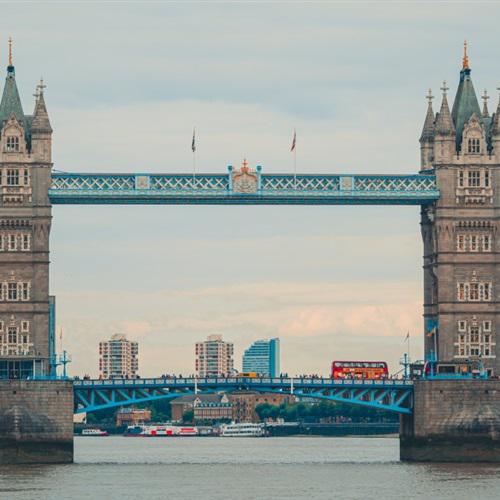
<point x="25" y="218"/>
<point x="460" y="231"/>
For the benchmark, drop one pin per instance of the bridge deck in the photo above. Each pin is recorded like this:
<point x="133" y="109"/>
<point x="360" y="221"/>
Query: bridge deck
<point x="258" y="189"/>
<point x="390" y="395"/>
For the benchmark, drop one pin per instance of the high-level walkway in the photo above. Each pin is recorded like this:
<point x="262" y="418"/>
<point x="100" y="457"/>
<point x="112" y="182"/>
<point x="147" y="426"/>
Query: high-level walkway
<point x="390" y="395"/>
<point x="242" y="187"/>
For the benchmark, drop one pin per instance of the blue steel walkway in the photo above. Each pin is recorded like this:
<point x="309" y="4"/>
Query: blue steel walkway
<point x="242" y="187"/>
<point x="390" y="395"/>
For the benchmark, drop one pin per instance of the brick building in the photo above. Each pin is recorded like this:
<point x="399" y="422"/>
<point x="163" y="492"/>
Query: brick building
<point x="132" y="416"/>
<point x="244" y="403"/>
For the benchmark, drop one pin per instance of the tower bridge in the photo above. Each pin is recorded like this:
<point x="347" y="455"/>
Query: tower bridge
<point x="457" y="187"/>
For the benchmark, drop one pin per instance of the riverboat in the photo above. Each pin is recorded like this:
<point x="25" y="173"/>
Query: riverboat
<point x="160" y="431"/>
<point x="242" y="430"/>
<point x="94" y="432"/>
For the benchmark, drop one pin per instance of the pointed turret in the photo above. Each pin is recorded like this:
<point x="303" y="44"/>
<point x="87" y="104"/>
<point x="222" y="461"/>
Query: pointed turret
<point x="11" y="102"/>
<point x="444" y="137"/>
<point x="427" y="136"/>
<point x="495" y="131"/>
<point x="465" y="104"/>
<point x="40" y="122"/>
<point x="444" y="122"/>
<point x="428" y="129"/>
<point x="41" y="131"/>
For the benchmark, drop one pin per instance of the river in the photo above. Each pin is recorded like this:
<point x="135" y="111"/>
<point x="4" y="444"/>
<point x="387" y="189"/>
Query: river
<point x="118" y="468"/>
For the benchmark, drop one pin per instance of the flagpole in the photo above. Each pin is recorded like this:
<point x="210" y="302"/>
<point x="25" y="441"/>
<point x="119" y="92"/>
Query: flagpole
<point x="193" y="149"/>
<point x="295" y="167"/>
<point x="409" y="358"/>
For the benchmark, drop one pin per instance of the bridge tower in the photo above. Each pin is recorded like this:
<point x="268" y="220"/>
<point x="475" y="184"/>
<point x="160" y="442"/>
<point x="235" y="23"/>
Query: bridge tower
<point x="460" y="231"/>
<point x="25" y="219"/>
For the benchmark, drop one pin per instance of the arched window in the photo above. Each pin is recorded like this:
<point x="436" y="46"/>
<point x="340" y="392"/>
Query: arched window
<point x="12" y="144"/>
<point x="473" y="146"/>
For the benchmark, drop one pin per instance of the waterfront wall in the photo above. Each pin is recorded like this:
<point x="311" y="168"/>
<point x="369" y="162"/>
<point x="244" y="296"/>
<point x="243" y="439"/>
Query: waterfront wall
<point x="453" y="421"/>
<point x="36" y="421"/>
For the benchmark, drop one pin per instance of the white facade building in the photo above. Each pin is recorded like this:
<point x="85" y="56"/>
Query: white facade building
<point x="118" y="358"/>
<point x="214" y="357"/>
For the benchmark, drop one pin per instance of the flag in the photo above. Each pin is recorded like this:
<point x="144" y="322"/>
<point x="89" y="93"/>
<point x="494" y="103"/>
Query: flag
<point x="193" y="142"/>
<point x="407" y="336"/>
<point x="294" y="140"/>
<point x="431" y="332"/>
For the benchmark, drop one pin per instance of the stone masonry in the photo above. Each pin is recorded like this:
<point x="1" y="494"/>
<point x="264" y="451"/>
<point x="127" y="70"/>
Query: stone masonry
<point x="453" y="421"/>
<point x="36" y="421"/>
<point x="461" y="247"/>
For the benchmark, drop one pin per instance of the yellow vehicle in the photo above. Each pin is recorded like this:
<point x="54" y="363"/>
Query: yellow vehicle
<point x="248" y="375"/>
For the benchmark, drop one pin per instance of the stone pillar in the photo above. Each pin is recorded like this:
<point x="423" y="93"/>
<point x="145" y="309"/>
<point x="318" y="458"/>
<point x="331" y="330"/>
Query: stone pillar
<point x="36" y="421"/>
<point x="453" y="421"/>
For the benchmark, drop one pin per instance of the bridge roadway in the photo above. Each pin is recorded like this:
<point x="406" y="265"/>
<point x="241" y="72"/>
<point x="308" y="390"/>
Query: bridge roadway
<point x="391" y="395"/>
<point x="245" y="187"/>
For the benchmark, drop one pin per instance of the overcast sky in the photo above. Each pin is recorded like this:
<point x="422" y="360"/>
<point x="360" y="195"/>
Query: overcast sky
<point x="127" y="82"/>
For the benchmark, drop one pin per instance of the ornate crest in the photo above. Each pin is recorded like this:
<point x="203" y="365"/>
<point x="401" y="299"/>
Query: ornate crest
<point x="245" y="180"/>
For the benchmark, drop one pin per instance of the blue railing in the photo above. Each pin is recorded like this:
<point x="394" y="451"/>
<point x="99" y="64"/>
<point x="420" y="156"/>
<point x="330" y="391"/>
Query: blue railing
<point x="390" y="395"/>
<point x="242" y="187"/>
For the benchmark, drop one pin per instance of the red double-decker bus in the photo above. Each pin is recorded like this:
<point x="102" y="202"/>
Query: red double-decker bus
<point x="373" y="370"/>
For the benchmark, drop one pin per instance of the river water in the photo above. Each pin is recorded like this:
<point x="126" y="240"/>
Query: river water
<point x="119" y="468"/>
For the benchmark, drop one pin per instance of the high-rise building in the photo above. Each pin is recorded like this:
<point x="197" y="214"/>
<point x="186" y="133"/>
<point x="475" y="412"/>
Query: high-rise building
<point x="214" y="357"/>
<point x="263" y="357"/>
<point x="118" y="357"/>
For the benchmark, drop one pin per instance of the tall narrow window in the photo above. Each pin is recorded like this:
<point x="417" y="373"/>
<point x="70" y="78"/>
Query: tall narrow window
<point x="12" y="335"/>
<point x="474" y="178"/>
<point x="26" y="177"/>
<point x="486" y="243"/>
<point x="12" y="291"/>
<point x="461" y="242"/>
<point x="461" y="292"/>
<point x="25" y="242"/>
<point x="12" y="242"/>
<point x="486" y="292"/>
<point x="25" y="291"/>
<point x="474" y="291"/>
<point x="473" y="146"/>
<point x="12" y="144"/>
<point x="473" y="243"/>
<point x="461" y="178"/>
<point x="486" y="178"/>
<point x="12" y="177"/>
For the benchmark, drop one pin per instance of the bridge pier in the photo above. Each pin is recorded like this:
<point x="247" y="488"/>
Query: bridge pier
<point x="452" y="421"/>
<point x="36" y="421"/>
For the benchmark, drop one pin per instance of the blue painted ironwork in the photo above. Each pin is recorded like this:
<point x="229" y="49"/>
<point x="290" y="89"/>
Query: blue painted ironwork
<point x="391" y="395"/>
<point x="269" y="189"/>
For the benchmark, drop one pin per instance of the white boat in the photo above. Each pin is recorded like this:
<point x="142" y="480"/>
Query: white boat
<point x="94" y="432"/>
<point x="242" y="430"/>
<point x="160" y="431"/>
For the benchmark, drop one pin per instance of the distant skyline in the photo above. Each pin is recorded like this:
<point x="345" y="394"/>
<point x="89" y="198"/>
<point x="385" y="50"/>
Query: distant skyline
<point x="126" y="84"/>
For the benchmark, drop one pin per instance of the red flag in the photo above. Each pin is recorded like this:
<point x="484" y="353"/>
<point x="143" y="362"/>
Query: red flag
<point x="294" y="140"/>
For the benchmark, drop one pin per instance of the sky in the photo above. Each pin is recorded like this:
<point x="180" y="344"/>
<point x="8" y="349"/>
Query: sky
<point x="126" y="84"/>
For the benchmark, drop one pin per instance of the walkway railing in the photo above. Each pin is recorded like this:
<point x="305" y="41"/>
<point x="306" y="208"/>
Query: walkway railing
<point x="390" y="395"/>
<point x="242" y="187"/>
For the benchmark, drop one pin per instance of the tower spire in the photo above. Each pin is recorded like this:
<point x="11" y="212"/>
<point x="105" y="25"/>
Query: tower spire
<point x="444" y="122"/>
<point x="465" y="59"/>
<point x="10" y="51"/>
<point x="428" y="129"/>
